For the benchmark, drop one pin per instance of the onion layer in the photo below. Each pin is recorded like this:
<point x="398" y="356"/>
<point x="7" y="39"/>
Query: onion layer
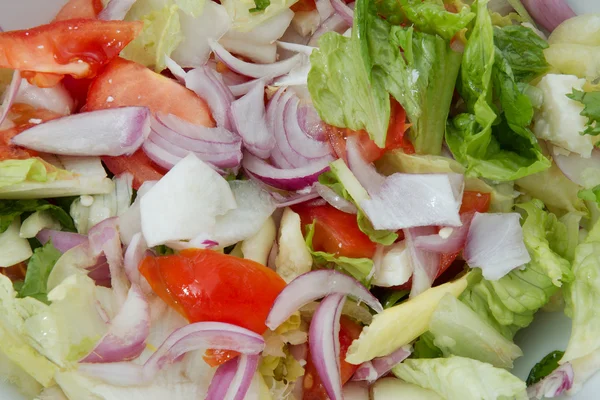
<point x="549" y="13"/>
<point x="425" y="264"/>
<point x="372" y="370"/>
<point x="10" y="95"/>
<point x="209" y="85"/>
<point x="555" y="384"/>
<point x="62" y="241"/>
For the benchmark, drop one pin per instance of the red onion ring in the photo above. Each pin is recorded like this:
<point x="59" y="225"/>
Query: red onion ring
<point x="299" y="140"/>
<point x="234" y="387"/>
<point x="292" y="198"/>
<point x="315" y="285"/>
<point x="128" y="331"/>
<point x="110" y="132"/>
<point x="310" y="123"/>
<point x="160" y="156"/>
<point x="116" y="10"/>
<point x="11" y="94"/>
<point x="324" y="8"/>
<point x="324" y="343"/>
<point x="241" y="89"/>
<point x="425" y="264"/>
<point x="222" y="379"/>
<point x="553" y="385"/>
<point x="135" y="253"/>
<point x="372" y="370"/>
<point x="549" y="13"/>
<point x="199" y="335"/>
<point x="208" y="84"/>
<point x="364" y="172"/>
<point x="254" y="70"/>
<point x="334" y="23"/>
<point x="343" y="11"/>
<point x="178" y="72"/>
<point x="62" y="241"/>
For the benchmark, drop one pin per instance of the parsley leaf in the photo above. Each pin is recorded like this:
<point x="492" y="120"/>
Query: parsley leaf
<point x="591" y="109"/>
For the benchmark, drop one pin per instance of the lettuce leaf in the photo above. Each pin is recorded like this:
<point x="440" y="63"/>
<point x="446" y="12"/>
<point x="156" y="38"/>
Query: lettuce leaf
<point x="12" y="209"/>
<point x="510" y="303"/>
<point x="462" y="378"/>
<point x="431" y="16"/>
<point x="38" y="269"/>
<point x="591" y="110"/>
<point x="523" y="49"/>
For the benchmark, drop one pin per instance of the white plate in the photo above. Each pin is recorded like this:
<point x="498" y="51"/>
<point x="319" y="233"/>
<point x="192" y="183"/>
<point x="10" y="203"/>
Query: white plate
<point x="549" y="331"/>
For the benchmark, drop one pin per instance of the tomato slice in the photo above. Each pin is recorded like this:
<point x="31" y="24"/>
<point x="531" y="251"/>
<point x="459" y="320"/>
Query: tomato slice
<point x="304" y="5"/>
<point x="475" y="202"/>
<point x="204" y="285"/>
<point x="77" y="47"/>
<point x="313" y="387"/>
<point x="79" y="9"/>
<point x="126" y="83"/>
<point x="395" y="139"/>
<point x="336" y="232"/>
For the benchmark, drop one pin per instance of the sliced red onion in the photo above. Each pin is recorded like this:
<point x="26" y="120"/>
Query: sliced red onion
<point x="555" y="384"/>
<point x="335" y="200"/>
<point x="209" y="85"/>
<point x="412" y="200"/>
<point x="334" y="23"/>
<point x="377" y="261"/>
<point x="296" y="48"/>
<point x="425" y="264"/>
<point x="62" y="241"/>
<point x="116" y="10"/>
<point x="262" y="53"/>
<point x="254" y="70"/>
<point x="293" y="198"/>
<point x="324" y="343"/>
<point x="159" y="155"/>
<point x="324" y="8"/>
<point x="127" y="333"/>
<point x="495" y="244"/>
<point x="111" y="132"/>
<point x="364" y="172"/>
<point x="299" y="140"/>
<point x="549" y="13"/>
<point x="178" y="72"/>
<point x="310" y="123"/>
<point x="135" y="253"/>
<point x="231" y="382"/>
<point x="372" y="370"/>
<point x="55" y="98"/>
<point x="342" y="9"/>
<point x="452" y="243"/>
<point x="315" y="285"/>
<point x="242" y="88"/>
<point x="229" y="77"/>
<point x="249" y="118"/>
<point x="582" y="171"/>
<point x="11" y="93"/>
<point x="199" y="335"/>
<point x="216" y="136"/>
<point x="285" y="179"/>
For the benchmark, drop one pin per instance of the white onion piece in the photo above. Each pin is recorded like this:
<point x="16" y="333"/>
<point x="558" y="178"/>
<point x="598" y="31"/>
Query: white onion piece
<point x="127" y="333"/>
<point x="495" y="244"/>
<point x="425" y="264"/>
<point x="343" y="11"/>
<point x="412" y="200"/>
<point x="56" y="98"/>
<point x="111" y="132"/>
<point x="324" y="343"/>
<point x="451" y="244"/>
<point x="285" y="179"/>
<point x="249" y="118"/>
<point x="262" y="53"/>
<point x="582" y="171"/>
<point x="296" y="48"/>
<point x="334" y="23"/>
<point x="372" y="370"/>
<point x="334" y="199"/>
<point x="549" y="13"/>
<point x="231" y="382"/>
<point x="178" y="72"/>
<point x="242" y="88"/>
<point x="555" y="384"/>
<point x="135" y="253"/>
<point x="324" y="8"/>
<point x="364" y="172"/>
<point x="254" y="70"/>
<point x="209" y="85"/>
<point x="11" y="93"/>
<point x="195" y="336"/>
<point x="116" y="10"/>
<point x="62" y="241"/>
<point x="268" y="31"/>
<point x="315" y="285"/>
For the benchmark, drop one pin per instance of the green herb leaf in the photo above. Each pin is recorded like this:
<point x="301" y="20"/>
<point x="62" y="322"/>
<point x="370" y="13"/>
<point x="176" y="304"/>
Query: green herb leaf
<point x="543" y="368"/>
<point x="11" y="209"/>
<point x="260" y="5"/>
<point x="591" y="109"/>
<point x="38" y="269"/>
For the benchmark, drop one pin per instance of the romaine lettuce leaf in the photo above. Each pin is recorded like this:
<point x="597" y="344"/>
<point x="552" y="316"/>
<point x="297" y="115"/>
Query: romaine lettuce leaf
<point x="462" y="378"/>
<point x="523" y="49"/>
<point x="38" y="269"/>
<point x="431" y="16"/>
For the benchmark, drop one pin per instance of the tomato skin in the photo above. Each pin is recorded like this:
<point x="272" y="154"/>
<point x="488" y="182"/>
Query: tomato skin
<point x="205" y="285"/>
<point x="336" y="232"/>
<point x="313" y="387"/>
<point x="77" y="47"/>
<point x="138" y="164"/>
<point x="475" y="202"/>
<point x="79" y="9"/>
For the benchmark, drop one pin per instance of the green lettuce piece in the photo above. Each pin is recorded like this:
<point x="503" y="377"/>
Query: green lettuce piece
<point x="335" y="181"/>
<point x="38" y="269"/>
<point x="462" y="378"/>
<point x="359" y="268"/>
<point x="425" y="348"/>
<point x="431" y="16"/>
<point x="523" y="49"/>
<point x="460" y="331"/>
<point x="543" y="368"/>
<point x="159" y="38"/>
<point x="11" y="209"/>
<point x="582" y="295"/>
<point x="510" y="303"/>
<point x="591" y="110"/>
<point x="13" y="172"/>
<point x="504" y="150"/>
<point x="191" y="7"/>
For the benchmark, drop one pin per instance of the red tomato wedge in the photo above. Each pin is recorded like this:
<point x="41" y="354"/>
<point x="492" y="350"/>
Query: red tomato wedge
<point x="313" y="387"/>
<point x="77" y="47"/>
<point x="126" y="83"/>
<point x="79" y="9"/>
<point x="204" y="285"/>
<point x="336" y="232"/>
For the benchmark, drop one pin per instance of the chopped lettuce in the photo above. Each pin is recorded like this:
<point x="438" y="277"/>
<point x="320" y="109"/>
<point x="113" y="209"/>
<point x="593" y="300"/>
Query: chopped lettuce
<point x="431" y="16"/>
<point x="425" y="348"/>
<point x="504" y="150"/>
<point x="38" y="269"/>
<point x="159" y="38"/>
<point x="543" y="368"/>
<point x="509" y="303"/>
<point x="12" y="209"/>
<point x="459" y="331"/>
<point x="359" y="268"/>
<point x="523" y="49"/>
<point x="462" y="378"/>
<point x="591" y="110"/>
